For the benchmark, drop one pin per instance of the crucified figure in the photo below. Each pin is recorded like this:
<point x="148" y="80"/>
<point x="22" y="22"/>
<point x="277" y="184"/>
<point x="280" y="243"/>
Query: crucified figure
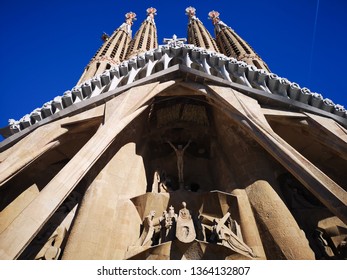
<point x="179" y="154"/>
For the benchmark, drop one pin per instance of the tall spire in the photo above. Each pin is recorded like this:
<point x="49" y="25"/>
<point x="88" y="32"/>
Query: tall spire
<point x="232" y="45"/>
<point x="146" y="37"/>
<point x="112" y="51"/>
<point x="198" y="35"/>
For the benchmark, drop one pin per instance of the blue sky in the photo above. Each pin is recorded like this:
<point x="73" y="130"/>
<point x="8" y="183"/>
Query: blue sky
<point x="45" y="45"/>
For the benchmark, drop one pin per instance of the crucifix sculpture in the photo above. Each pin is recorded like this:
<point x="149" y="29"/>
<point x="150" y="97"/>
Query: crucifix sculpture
<point x="179" y="154"/>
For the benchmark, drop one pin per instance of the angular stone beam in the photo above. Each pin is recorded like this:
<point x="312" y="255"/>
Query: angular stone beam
<point x="247" y="112"/>
<point x="29" y="150"/>
<point x="280" y="113"/>
<point x="15" y="238"/>
<point x="335" y="136"/>
<point x="330" y="126"/>
<point x="35" y="144"/>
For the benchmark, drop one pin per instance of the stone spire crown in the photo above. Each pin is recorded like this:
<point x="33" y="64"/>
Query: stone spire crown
<point x="214" y="16"/>
<point x="191" y="12"/>
<point x="146" y="37"/>
<point x="129" y="21"/>
<point x="112" y="51"/>
<point x="198" y="35"/>
<point x="232" y="45"/>
<point x="151" y="12"/>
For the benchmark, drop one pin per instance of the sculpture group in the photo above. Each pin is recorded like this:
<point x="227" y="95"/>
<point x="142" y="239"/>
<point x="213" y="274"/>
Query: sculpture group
<point x="187" y="226"/>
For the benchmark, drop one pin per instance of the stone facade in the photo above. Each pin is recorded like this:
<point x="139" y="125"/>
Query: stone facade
<point x="178" y="153"/>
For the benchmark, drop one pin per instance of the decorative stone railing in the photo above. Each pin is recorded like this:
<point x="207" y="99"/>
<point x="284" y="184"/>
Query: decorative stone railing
<point x="165" y="56"/>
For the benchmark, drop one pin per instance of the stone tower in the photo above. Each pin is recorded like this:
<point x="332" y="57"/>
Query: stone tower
<point x="198" y="35"/>
<point x="232" y="45"/>
<point x="146" y="37"/>
<point x="176" y="152"/>
<point x="112" y="52"/>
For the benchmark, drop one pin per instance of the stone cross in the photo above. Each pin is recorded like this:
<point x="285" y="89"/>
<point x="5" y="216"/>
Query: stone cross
<point x="174" y="41"/>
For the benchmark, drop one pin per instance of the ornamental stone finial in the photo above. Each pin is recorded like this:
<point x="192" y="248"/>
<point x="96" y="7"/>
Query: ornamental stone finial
<point x="130" y="18"/>
<point x="214" y="16"/>
<point x="151" y="12"/>
<point x="191" y="12"/>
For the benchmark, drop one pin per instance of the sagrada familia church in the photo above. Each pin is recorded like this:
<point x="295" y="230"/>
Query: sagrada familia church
<point x="188" y="149"/>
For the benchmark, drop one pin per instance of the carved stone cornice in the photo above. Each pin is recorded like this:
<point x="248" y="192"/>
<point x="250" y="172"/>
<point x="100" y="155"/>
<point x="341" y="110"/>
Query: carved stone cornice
<point x="160" y="59"/>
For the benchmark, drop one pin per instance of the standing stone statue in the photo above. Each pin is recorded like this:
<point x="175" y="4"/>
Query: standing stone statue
<point x="166" y="224"/>
<point x="146" y="238"/>
<point x="163" y="227"/>
<point x="179" y="154"/>
<point x="185" y="231"/>
<point x="173" y="220"/>
<point x="156" y="182"/>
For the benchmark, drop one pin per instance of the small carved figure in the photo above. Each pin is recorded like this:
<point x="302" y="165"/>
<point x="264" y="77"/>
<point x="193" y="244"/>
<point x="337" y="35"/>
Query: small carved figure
<point x="185" y="231"/>
<point x="199" y="228"/>
<point x="165" y="227"/>
<point x="173" y="220"/>
<point x="230" y="239"/>
<point x="325" y="251"/>
<point x="172" y="213"/>
<point x="146" y="238"/>
<point x="234" y="227"/>
<point x="156" y="182"/>
<point x="184" y="213"/>
<point x="179" y="154"/>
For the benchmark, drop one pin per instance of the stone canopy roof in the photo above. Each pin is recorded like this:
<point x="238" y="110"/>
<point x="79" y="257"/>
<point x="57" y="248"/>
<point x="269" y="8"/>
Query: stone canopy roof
<point x="216" y="66"/>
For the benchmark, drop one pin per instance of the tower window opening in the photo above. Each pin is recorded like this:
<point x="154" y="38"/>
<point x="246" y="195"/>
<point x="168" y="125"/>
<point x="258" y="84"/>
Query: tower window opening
<point x="106" y="48"/>
<point x="257" y="64"/>
<point x="234" y="46"/>
<point x="243" y="45"/>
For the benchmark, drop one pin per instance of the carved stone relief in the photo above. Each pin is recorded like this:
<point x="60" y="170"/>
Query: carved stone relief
<point x="48" y="244"/>
<point x="203" y="224"/>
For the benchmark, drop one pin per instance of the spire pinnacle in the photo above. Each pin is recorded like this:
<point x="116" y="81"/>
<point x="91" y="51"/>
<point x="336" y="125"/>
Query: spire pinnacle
<point x="151" y="12"/>
<point x="130" y="18"/>
<point x="112" y="51"/>
<point x="232" y="45"/>
<point x="214" y="16"/>
<point x="198" y="35"/>
<point x="191" y="12"/>
<point x="146" y="37"/>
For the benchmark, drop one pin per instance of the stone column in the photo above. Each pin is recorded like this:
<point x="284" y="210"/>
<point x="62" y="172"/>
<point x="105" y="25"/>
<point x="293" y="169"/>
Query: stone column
<point x="281" y="235"/>
<point x="249" y="230"/>
<point x="107" y="221"/>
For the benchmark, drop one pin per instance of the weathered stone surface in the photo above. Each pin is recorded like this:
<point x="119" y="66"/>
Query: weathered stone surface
<point x="326" y="190"/>
<point x="32" y="219"/>
<point x="104" y="215"/>
<point x="277" y="225"/>
<point x="132" y="193"/>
